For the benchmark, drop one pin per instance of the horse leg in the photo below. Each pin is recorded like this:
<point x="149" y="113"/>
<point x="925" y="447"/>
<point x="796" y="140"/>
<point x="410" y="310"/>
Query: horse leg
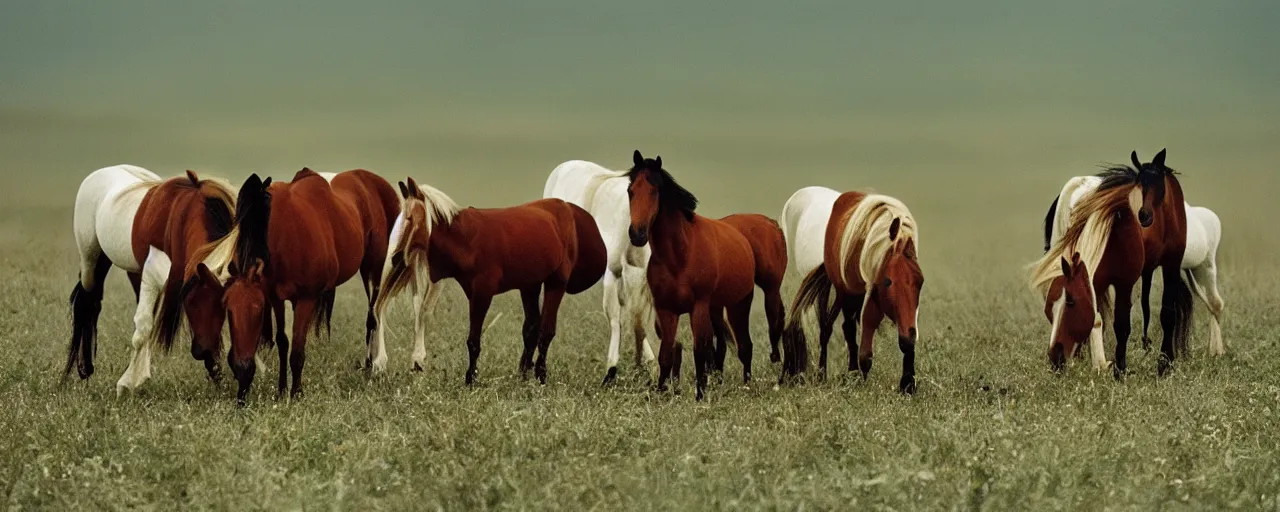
<point x="532" y="319"/>
<point x="634" y="298"/>
<point x="139" y="369"/>
<point x="373" y="338"/>
<point x="423" y="310"/>
<point x="1175" y="311"/>
<point x="720" y="333"/>
<point x="613" y="312"/>
<point x="703" y="349"/>
<point x="303" y="311"/>
<point x="479" y="309"/>
<point x="871" y="318"/>
<point x="825" y="326"/>
<point x="1122" y="326"/>
<point x="740" y="321"/>
<point x="775" y="314"/>
<point x="86" y="305"/>
<point x="282" y="347"/>
<point x="667" y="322"/>
<point x="1204" y="281"/>
<point x="550" y="312"/>
<point x="1146" y="308"/>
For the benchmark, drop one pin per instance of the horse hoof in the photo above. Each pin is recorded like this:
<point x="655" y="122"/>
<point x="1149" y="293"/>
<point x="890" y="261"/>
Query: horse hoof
<point x="1118" y="373"/>
<point x="417" y="367"/>
<point x="610" y="377"/>
<point x="1163" y="366"/>
<point x="907" y="385"/>
<point x="746" y="377"/>
<point x="865" y="366"/>
<point x="775" y="357"/>
<point x="701" y="395"/>
<point x="241" y="403"/>
<point x="1146" y="343"/>
<point x="541" y="374"/>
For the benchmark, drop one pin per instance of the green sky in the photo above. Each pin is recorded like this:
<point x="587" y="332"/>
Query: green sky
<point x="484" y="98"/>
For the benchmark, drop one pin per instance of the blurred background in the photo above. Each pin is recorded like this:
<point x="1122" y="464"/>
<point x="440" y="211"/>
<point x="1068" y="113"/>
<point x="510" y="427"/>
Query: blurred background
<point x="974" y="113"/>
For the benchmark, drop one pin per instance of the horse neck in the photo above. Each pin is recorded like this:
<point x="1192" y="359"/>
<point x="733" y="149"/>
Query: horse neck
<point x="669" y="238"/>
<point x="450" y="246"/>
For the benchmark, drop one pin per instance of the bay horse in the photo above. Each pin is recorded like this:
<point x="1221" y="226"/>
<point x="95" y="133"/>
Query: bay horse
<point x="128" y="217"/>
<point x="769" y="250"/>
<point x="603" y="193"/>
<point x="297" y="242"/>
<point x="1117" y="243"/>
<point x="870" y="261"/>
<point x="1199" y="260"/>
<point x="546" y="247"/>
<point x="699" y="267"/>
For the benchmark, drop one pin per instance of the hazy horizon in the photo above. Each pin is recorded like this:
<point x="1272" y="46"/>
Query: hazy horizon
<point x="745" y="103"/>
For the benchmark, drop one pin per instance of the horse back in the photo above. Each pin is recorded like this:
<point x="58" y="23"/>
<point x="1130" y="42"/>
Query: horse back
<point x="170" y="218"/>
<point x="314" y="242"/>
<point x="768" y="246"/>
<point x="378" y="206"/>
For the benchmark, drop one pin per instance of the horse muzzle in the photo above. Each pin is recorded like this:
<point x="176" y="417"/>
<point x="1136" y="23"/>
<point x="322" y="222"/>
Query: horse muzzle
<point x="1057" y="357"/>
<point x="1145" y="218"/>
<point x="639" y="237"/>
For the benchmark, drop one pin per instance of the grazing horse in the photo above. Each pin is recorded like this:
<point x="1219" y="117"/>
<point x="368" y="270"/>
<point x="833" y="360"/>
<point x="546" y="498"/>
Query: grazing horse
<point x="869" y="258"/>
<point x="1117" y="242"/>
<point x="769" y="250"/>
<point x="603" y="193"/>
<point x="1199" y="261"/>
<point x="699" y="267"/>
<point x="298" y="242"/>
<point x="546" y="247"/>
<point x="127" y="217"/>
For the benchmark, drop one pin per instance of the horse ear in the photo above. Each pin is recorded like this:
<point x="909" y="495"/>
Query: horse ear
<point x="255" y="269"/>
<point x="658" y="160"/>
<point x="253" y="182"/>
<point x="1159" y="159"/>
<point x="893" y="228"/>
<point x="637" y="158"/>
<point x="267" y="182"/>
<point x="1075" y="258"/>
<point x="1137" y="164"/>
<point x="191" y="175"/>
<point x="1066" y="267"/>
<point x="414" y="191"/>
<point x="404" y="192"/>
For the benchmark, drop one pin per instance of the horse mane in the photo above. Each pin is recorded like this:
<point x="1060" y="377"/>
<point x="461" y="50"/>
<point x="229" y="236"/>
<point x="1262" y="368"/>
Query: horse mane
<point x="867" y="231"/>
<point x="403" y="267"/>
<point x="1089" y="231"/>
<point x="670" y="193"/>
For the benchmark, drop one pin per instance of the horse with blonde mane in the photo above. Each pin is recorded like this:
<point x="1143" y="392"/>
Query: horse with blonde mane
<point x="128" y="217"/>
<point x="1121" y="230"/>
<point x="297" y="242"/>
<point x="546" y="247"/>
<point x="1199" y="260"/>
<point x="870" y="260"/>
<point x="603" y="193"/>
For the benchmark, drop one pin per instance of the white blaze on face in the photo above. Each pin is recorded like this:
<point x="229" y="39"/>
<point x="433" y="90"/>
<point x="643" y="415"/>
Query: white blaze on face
<point x="1059" y="308"/>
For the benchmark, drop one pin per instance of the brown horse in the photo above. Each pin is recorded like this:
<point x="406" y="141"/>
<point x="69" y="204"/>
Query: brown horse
<point x="869" y="258"/>
<point x="298" y="242"/>
<point x="123" y="216"/>
<point x="699" y="267"/>
<point x="769" y="249"/>
<point x="548" y="247"/>
<point x="1122" y="232"/>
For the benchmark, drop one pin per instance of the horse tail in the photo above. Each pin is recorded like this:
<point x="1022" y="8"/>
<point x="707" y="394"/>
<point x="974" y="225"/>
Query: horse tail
<point x="1048" y="223"/>
<point x="592" y="255"/>
<point x="814" y="288"/>
<point x="168" y="310"/>
<point x="86" y="304"/>
<point x="1179" y="307"/>
<point x="323" y="316"/>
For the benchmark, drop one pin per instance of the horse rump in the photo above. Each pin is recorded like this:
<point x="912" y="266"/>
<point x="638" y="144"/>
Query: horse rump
<point x="592" y="255"/>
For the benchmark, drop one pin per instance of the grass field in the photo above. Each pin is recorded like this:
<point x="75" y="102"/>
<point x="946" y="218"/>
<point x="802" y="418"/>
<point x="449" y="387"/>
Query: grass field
<point x="990" y="428"/>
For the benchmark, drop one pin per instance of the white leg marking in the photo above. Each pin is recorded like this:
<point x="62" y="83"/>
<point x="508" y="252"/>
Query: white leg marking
<point x="424" y="309"/>
<point x="139" y="370"/>
<point x="612" y="311"/>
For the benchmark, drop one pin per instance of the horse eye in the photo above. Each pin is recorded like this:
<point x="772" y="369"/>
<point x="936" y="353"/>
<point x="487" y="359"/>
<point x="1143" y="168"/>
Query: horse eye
<point x="887" y="282"/>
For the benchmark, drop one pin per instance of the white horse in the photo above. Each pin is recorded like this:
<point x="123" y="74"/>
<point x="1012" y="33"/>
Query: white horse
<point x="603" y="194"/>
<point x="106" y="206"/>
<point x="1199" y="261"/>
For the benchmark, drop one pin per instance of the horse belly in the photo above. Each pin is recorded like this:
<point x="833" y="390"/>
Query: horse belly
<point x="1199" y="246"/>
<point x="114" y="227"/>
<point x="807" y="234"/>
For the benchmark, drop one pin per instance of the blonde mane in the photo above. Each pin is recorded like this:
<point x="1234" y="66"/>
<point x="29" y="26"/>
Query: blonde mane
<point x="403" y="267"/>
<point x="1088" y="233"/>
<point x="867" y="232"/>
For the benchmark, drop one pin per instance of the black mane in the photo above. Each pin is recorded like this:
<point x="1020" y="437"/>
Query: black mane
<point x="253" y="212"/>
<point x="670" y="193"/>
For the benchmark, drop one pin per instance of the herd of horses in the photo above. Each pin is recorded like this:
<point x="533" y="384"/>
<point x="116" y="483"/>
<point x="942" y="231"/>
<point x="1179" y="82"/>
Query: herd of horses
<point x="202" y="254"/>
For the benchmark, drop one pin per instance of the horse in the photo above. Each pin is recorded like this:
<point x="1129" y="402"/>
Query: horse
<point x="297" y="242"/>
<point x="603" y="193"/>
<point x="869" y="258"/>
<point x="769" y="250"/>
<point x="547" y="247"/>
<point x="699" y="267"/>
<point x="1122" y="230"/>
<point x="1199" y="261"/>
<point x="128" y="217"/>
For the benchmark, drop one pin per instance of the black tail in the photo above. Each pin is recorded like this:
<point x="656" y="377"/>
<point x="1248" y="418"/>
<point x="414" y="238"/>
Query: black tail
<point x="815" y="288"/>
<point x="85" y="307"/>
<point x="1048" y="223"/>
<point x="323" y="314"/>
<point x="1181" y="306"/>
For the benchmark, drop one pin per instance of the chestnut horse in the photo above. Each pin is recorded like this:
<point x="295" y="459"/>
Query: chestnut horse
<point x="1161" y="211"/>
<point x="699" y="267"/>
<point x="127" y="217"/>
<point x="869" y="258"/>
<point x="1123" y="230"/>
<point x="298" y="242"/>
<point x="769" y="249"/>
<point x="546" y="247"/>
